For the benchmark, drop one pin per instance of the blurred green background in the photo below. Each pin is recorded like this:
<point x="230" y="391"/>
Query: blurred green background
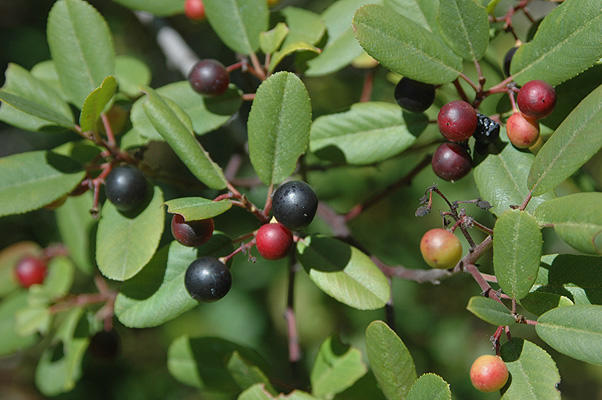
<point x="442" y="336"/>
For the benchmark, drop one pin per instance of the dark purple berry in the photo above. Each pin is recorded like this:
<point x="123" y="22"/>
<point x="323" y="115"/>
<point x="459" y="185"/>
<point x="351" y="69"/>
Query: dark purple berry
<point x="191" y="233"/>
<point x="207" y="279"/>
<point x="105" y="345"/>
<point x="488" y="131"/>
<point x="451" y="161"/>
<point x="294" y="204"/>
<point x="209" y="77"/>
<point x="536" y="99"/>
<point x="125" y="187"/>
<point x="457" y="120"/>
<point x="414" y="96"/>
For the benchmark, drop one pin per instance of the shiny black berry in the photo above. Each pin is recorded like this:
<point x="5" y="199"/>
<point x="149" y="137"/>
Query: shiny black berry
<point x="451" y="161"/>
<point x="125" y="187"/>
<point x="207" y="279"/>
<point x="508" y="60"/>
<point x="294" y="204"/>
<point x="209" y="77"/>
<point x="414" y="96"/>
<point x="488" y="131"/>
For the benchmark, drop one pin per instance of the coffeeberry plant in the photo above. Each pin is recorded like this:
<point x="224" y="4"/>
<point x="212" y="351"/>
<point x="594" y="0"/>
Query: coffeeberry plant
<point x="228" y="187"/>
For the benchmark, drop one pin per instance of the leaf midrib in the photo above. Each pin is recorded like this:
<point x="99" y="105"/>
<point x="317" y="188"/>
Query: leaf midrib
<point x="78" y="44"/>
<point x="409" y="45"/>
<point x="555" y="48"/>
<point x="576" y="132"/>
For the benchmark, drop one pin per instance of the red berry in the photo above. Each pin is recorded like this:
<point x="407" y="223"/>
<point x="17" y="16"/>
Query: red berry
<point x="273" y="241"/>
<point x="191" y="233"/>
<point x="488" y="373"/>
<point x="440" y="248"/>
<point x="30" y="271"/>
<point x="536" y="99"/>
<point x="209" y="77"/>
<point x="457" y="121"/>
<point x="195" y="10"/>
<point x="451" y="162"/>
<point x="522" y="131"/>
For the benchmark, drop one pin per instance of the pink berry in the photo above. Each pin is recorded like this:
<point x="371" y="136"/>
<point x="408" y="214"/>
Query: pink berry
<point x="522" y="131"/>
<point x="488" y="373"/>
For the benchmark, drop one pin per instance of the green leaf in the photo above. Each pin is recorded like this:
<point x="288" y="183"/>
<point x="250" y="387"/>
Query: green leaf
<point x="390" y="361"/>
<point x="517" y="246"/>
<point x="238" y="23"/>
<point x="35" y="178"/>
<point x="538" y="302"/>
<point x="206" y="113"/>
<point x="32" y="319"/>
<point x="125" y="243"/>
<point x="161" y="8"/>
<point x="341" y="48"/>
<point x="197" y="208"/>
<point x="246" y="374"/>
<point x="385" y="35"/>
<point x="9" y="257"/>
<point x="304" y="26"/>
<point x="430" y="387"/>
<point x="490" y="311"/>
<point x="464" y="25"/>
<point x="574" y="330"/>
<point x="278" y="126"/>
<point x="259" y="392"/>
<point x="46" y="72"/>
<point x="370" y="132"/>
<point x="576" y="218"/>
<point x="575" y="141"/>
<point x="271" y="40"/>
<point x="182" y="141"/>
<point x="10" y="340"/>
<point x="202" y="362"/>
<point x="289" y="49"/>
<point x="423" y="12"/>
<point x="56" y="284"/>
<point x="343" y="272"/>
<point x="81" y="46"/>
<point x="34" y="109"/>
<point x="144" y="125"/>
<point x="30" y="103"/>
<point x="502" y="180"/>
<point x="533" y="372"/>
<point x="132" y="75"/>
<point x="337" y="367"/>
<point x="59" y="367"/>
<point x="569" y="38"/>
<point x="75" y="224"/>
<point x="96" y="102"/>
<point x="157" y="294"/>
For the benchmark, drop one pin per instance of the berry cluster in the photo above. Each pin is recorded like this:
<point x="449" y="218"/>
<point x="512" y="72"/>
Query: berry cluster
<point x="536" y="100"/>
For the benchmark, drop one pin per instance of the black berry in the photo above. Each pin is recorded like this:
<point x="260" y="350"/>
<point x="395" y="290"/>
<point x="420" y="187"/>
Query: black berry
<point x="451" y="161"/>
<point x="414" y="96"/>
<point x="191" y="233"/>
<point x="105" y="344"/>
<point x="209" y="77"/>
<point x="294" y="204"/>
<point x="508" y="60"/>
<point x="125" y="187"/>
<point x="207" y="279"/>
<point x="457" y="121"/>
<point x="488" y="131"/>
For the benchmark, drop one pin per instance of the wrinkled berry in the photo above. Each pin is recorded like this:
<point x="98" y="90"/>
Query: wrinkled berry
<point x="488" y="131"/>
